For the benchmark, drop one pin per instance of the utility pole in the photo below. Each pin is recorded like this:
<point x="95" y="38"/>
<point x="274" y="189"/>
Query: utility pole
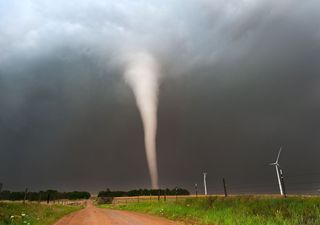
<point x="25" y="195"/>
<point x="205" y="183"/>
<point x="48" y="198"/>
<point x="0" y="189"/>
<point x="176" y="194"/>
<point x="39" y="200"/>
<point x="165" y="195"/>
<point x="224" y="187"/>
<point x="196" y="187"/>
<point x="282" y="183"/>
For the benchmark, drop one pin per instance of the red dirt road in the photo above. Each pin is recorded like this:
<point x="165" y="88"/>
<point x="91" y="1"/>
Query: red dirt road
<point x="96" y="216"/>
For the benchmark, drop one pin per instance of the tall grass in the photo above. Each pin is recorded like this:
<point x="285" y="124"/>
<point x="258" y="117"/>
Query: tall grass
<point x="244" y="210"/>
<point x="15" y="213"/>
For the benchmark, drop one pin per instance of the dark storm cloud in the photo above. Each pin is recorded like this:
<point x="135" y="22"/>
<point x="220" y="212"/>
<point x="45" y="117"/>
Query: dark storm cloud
<point x="240" y="79"/>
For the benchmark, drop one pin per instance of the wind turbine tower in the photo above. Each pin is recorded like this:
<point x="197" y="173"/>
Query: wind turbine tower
<point x="278" y="168"/>
<point x="205" y="183"/>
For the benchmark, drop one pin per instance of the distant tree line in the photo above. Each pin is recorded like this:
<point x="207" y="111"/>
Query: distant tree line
<point x="143" y="192"/>
<point x="44" y="195"/>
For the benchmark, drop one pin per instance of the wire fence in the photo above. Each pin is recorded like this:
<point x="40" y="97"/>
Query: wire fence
<point x="163" y="198"/>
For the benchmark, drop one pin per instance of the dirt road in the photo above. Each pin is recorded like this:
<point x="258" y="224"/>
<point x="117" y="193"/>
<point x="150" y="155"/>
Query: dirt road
<point x="96" y="216"/>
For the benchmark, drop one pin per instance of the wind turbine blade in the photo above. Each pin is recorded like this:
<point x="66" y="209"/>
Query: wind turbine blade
<point x="279" y="154"/>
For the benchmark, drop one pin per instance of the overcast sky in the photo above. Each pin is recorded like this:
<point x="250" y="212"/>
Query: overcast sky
<point x="239" y="80"/>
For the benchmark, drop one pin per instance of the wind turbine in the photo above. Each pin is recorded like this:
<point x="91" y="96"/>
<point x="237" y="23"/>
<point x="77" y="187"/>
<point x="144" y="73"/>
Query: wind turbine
<point x="205" y="183"/>
<point x="279" y="171"/>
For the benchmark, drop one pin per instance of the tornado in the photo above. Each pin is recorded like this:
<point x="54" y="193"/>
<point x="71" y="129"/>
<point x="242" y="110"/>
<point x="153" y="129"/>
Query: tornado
<point x="142" y="75"/>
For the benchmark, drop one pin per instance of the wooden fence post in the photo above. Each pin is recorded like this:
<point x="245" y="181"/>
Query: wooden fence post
<point x="225" y="188"/>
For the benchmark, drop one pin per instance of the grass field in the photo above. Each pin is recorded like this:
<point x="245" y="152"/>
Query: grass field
<point x="14" y="213"/>
<point x="241" y="210"/>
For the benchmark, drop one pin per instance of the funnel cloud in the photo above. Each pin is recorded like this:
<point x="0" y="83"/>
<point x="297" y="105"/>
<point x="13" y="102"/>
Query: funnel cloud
<point x="142" y="74"/>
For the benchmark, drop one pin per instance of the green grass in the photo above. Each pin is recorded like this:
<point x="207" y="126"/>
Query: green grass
<point x="241" y="210"/>
<point x="32" y="213"/>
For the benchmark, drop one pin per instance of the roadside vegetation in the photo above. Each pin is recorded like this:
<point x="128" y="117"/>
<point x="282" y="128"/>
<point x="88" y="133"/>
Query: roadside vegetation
<point x="240" y="210"/>
<point x="15" y="213"/>
<point x="143" y="192"/>
<point x="43" y="195"/>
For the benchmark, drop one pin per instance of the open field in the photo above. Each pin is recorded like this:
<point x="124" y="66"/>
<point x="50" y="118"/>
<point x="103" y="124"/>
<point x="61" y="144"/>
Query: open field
<point x="32" y="213"/>
<point x="234" y="210"/>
